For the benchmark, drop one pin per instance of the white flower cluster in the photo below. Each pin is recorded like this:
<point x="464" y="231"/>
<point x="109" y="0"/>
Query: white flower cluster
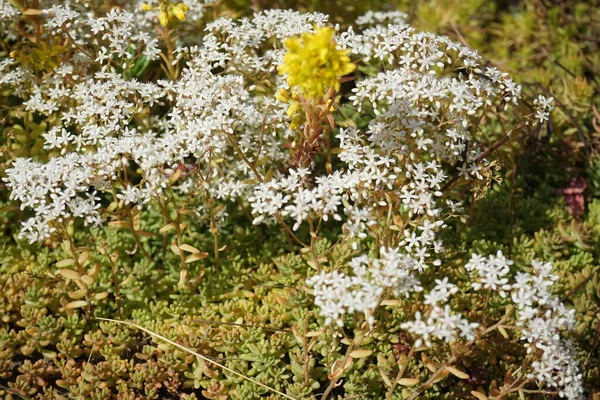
<point x="297" y="196"/>
<point x="541" y="316"/>
<point x="59" y="17"/>
<point x="7" y="14"/>
<point x="490" y="272"/>
<point x="422" y="107"/>
<point x="422" y="188"/>
<point x="239" y="46"/>
<point x="543" y="106"/>
<point x="220" y="118"/>
<point x="53" y="190"/>
<point x="219" y="114"/>
<point x="111" y="40"/>
<point x="117" y="38"/>
<point x="381" y="18"/>
<point x="99" y="112"/>
<point x="95" y="111"/>
<point x="338" y="294"/>
<point x="7" y="10"/>
<point x="440" y="322"/>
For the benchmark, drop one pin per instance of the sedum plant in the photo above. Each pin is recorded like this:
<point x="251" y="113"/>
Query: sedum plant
<point x="344" y="154"/>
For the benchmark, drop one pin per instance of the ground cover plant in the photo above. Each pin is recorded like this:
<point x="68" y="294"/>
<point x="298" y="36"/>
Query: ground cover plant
<point x="225" y="200"/>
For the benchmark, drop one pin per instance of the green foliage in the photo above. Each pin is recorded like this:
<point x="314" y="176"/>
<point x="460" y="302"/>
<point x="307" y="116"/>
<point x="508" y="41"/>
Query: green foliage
<point x="251" y="310"/>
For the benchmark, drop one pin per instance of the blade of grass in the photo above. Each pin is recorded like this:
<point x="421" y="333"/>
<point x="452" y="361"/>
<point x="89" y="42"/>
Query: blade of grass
<point x="181" y="347"/>
<point x="85" y="369"/>
<point x="9" y="390"/>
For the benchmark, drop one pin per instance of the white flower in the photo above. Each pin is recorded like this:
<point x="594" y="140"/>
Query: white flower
<point x="490" y="273"/>
<point x="130" y="195"/>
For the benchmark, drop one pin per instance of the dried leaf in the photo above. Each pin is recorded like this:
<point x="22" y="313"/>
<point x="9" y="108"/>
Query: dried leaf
<point x="385" y="378"/>
<point x="175" y="176"/>
<point x="78" y="294"/>
<point x="402" y="360"/>
<point x="182" y="278"/>
<point x="442" y="375"/>
<point x="408" y="381"/>
<point x="297" y="335"/>
<point x="32" y="11"/>
<point x="348" y="363"/>
<point x="166" y="228"/>
<point x="361" y="353"/>
<point x="269" y="175"/>
<point x="119" y="224"/>
<point x="70" y="274"/>
<point x="315" y="333"/>
<point x="83" y="257"/>
<point x="457" y="373"/>
<point x="65" y="263"/>
<point x="127" y="281"/>
<point x="196" y="257"/>
<point x="427" y="362"/>
<point x="88" y="280"/>
<point x="503" y="332"/>
<point x="94" y="271"/>
<point x="479" y="395"/>
<point x="76" y="304"/>
<point x="189" y="249"/>
<point x="100" y="296"/>
<point x="137" y="221"/>
<point x="336" y="374"/>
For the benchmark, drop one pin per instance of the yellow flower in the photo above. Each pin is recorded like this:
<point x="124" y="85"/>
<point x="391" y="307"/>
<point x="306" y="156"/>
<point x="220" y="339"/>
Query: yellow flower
<point x="163" y="18"/>
<point x="179" y="10"/>
<point x="294" y="109"/>
<point x="313" y="64"/>
<point x="168" y="11"/>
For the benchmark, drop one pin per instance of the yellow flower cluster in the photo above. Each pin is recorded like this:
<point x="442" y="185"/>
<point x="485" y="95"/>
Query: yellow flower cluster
<point x="294" y="109"/>
<point x="168" y="11"/>
<point x="313" y="64"/>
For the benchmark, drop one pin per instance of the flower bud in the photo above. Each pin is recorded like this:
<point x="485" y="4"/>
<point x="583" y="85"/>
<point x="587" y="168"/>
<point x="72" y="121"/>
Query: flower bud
<point x="179" y="11"/>
<point x="163" y="18"/>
